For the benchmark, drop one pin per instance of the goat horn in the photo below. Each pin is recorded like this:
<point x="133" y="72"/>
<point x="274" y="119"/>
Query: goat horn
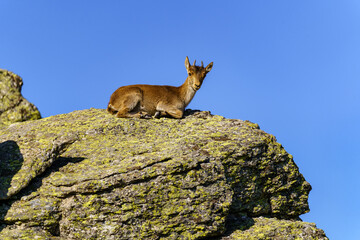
<point x="194" y="62"/>
<point x="202" y="64"/>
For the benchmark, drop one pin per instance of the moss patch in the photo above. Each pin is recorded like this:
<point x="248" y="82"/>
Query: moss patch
<point x="14" y="107"/>
<point x="272" y="228"/>
<point x="89" y="175"/>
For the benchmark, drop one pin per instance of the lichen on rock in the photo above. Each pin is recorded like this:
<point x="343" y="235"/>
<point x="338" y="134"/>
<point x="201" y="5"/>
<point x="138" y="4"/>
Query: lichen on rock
<point x="271" y="228"/>
<point x="13" y="106"/>
<point x="88" y="175"/>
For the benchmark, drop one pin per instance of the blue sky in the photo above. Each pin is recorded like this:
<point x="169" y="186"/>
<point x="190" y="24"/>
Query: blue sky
<point x="293" y="67"/>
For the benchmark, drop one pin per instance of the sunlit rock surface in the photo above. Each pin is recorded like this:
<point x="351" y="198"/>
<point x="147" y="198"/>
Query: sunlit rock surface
<point x="89" y="175"/>
<point x="13" y="106"/>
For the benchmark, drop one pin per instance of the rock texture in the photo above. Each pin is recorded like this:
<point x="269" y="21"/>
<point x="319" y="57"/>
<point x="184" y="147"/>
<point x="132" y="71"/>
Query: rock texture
<point x="13" y="106"/>
<point x="89" y="175"/>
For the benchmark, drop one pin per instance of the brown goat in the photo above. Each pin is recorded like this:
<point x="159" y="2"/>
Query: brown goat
<point x="145" y="101"/>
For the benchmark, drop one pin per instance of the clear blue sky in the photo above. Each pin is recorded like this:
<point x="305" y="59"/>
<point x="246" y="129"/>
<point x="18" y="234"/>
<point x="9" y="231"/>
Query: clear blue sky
<point x="291" y="66"/>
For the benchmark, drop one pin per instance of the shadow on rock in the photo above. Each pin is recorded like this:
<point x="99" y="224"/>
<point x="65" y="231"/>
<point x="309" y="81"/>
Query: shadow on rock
<point x="238" y="222"/>
<point x="36" y="183"/>
<point x="11" y="161"/>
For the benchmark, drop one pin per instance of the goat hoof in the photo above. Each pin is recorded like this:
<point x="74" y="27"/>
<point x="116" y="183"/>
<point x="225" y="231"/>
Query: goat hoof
<point x="145" y="116"/>
<point x="157" y="114"/>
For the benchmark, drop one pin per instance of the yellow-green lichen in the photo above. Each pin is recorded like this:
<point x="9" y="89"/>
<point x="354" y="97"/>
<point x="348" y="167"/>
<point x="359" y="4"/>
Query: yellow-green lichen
<point x="158" y="178"/>
<point x="272" y="228"/>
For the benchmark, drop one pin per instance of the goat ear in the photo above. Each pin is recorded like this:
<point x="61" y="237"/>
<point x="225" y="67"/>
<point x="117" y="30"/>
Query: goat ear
<point x="209" y="67"/>
<point x="187" y="64"/>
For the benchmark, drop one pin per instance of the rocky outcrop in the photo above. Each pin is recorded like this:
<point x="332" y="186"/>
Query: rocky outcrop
<point x="13" y="106"/>
<point x="89" y="175"/>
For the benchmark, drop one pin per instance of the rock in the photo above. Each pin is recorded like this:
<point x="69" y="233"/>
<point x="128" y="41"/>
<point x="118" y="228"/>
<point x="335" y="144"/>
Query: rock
<point x="13" y="106"/>
<point x="89" y="175"/>
<point x="271" y="228"/>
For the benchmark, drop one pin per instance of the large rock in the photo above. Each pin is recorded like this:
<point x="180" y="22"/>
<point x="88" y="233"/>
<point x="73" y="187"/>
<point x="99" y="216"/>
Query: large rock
<point x="13" y="106"/>
<point x="89" y="175"/>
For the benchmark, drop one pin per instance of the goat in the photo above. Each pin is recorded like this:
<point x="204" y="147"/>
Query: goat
<point x="146" y="101"/>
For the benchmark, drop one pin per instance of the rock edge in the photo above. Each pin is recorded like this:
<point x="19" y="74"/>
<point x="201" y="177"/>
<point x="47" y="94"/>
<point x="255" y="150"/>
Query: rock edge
<point x="88" y="175"/>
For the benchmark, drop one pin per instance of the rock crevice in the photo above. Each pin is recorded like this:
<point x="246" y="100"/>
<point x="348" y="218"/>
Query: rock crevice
<point x="201" y="177"/>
